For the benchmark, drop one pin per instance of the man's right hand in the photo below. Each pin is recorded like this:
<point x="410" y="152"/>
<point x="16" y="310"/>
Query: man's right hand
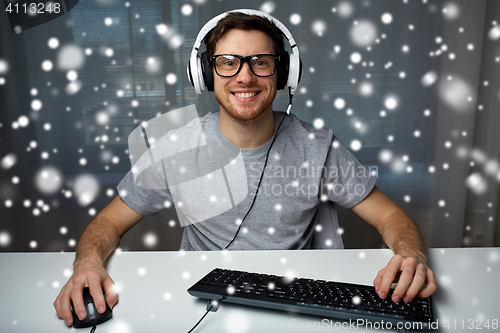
<point x="97" y="280"/>
<point x="98" y="241"/>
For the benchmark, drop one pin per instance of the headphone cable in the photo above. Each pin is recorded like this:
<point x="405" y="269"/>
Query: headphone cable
<point x="264" y="168"/>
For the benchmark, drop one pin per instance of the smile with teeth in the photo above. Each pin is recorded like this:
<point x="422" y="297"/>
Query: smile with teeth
<point x="245" y="95"/>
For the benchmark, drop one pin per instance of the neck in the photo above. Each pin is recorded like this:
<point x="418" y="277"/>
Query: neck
<point x="247" y="134"/>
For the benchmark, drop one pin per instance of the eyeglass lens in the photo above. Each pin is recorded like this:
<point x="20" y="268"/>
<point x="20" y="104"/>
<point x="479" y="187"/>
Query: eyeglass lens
<point x="229" y="65"/>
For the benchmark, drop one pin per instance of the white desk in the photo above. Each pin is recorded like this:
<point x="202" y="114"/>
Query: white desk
<point x="468" y="281"/>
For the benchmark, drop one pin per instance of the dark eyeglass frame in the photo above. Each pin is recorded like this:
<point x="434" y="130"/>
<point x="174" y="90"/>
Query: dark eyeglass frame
<point x="245" y="59"/>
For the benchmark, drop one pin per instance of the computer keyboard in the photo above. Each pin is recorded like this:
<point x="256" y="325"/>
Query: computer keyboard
<point x="316" y="297"/>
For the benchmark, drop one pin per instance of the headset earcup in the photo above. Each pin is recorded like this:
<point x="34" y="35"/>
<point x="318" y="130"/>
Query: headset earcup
<point x="300" y="70"/>
<point x="207" y="72"/>
<point x="283" y="70"/>
<point x="189" y="74"/>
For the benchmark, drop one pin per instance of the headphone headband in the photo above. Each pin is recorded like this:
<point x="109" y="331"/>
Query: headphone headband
<point x="195" y="67"/>
<point x="213" y="22"/>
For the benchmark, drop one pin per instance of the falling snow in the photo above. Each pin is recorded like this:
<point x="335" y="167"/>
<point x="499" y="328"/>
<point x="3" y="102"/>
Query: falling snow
<point x="171" y="78"/>
<point x="387" y="18"/>
<point x="186" y="10"/>
<point x="391" y="102"/>
<point x="345" y="9"/>
<point x="4" y="239"/>
<point x="70" y="57"/>
<point x="150" y="239"/>
<point x="319" y="27"/>
<point x="363" y="33"/>
<point x="339" y="103"/>
<point x="353" y="43"/>
<point x="295" y="19"/>
<point x="4" y="66"/>
<point x="268" y="7"/>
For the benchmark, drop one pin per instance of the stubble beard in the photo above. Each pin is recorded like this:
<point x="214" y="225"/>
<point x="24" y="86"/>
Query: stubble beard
<point x="244" y="113"/>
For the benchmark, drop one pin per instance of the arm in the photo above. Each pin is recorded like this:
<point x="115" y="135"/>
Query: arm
<point x="402" y="235"/>
<point x="99" y="239"/>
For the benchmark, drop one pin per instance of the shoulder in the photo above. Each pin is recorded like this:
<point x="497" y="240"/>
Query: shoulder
<point x="198" y="122"/>
<point x="299" y="129"/>
<point x="187" y="136"/>
<point x="209" y="117"/>
<point x="196" y="125"/>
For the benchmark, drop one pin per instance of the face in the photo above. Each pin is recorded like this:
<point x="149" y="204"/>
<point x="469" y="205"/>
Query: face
<point x="245" y="96"/>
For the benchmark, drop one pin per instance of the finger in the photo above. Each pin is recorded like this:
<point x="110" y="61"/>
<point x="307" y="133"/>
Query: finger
<point x="65" y="305"/>
<point x="431" y="286"/>
<point x="110" y="291"/>
<point x="77" y="298"/>
<point x="97" y="295"/>
<point x="378" y="279"/>
<point x="390" y="274"/>
<point x="405" y="279"/>
<point x="57" y="303"/>
<point x="416" y="284"/>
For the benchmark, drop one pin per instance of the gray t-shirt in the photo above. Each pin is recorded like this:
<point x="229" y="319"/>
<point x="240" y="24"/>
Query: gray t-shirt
<point x="306" y="166"/>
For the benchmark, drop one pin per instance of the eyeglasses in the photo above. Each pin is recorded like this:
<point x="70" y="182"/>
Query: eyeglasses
<point x="227" y="65"/>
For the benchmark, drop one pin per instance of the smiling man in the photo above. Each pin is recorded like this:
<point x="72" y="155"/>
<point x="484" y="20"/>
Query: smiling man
<point x="292" y="167"/>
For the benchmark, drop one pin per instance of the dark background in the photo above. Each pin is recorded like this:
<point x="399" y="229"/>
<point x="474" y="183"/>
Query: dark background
<point x="436" y="152"/>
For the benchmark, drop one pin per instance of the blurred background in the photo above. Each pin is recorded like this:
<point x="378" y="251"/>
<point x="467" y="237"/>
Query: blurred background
<point x="412" y="87"/>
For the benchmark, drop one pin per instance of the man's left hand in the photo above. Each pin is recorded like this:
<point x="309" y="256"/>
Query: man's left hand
<point x="414" y="279"/>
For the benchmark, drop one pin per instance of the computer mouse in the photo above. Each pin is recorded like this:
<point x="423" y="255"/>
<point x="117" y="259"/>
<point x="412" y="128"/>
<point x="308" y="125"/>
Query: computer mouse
<point x="93" y="318"/>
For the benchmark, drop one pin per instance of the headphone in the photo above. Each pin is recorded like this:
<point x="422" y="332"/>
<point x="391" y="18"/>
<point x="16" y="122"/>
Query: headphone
<point x="199" y="69"/>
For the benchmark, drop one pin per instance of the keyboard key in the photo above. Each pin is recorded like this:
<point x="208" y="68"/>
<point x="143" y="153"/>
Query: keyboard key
<point x="396" y="316"/>
<point x="337" y="308"/>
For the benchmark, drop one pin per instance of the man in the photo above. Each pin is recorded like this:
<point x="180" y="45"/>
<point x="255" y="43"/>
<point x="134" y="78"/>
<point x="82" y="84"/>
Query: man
<point x="245" y="88"/>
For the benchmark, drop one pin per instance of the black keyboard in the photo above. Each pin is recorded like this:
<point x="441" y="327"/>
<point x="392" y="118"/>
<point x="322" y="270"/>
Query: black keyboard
<point x="317" y="297"/>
